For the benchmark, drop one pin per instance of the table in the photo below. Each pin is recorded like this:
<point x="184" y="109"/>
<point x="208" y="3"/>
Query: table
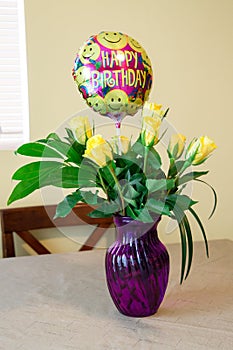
<point x="61" y="302"/>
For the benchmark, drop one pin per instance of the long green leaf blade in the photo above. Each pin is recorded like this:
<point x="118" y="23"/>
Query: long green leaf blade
<point x="35" y="149"/>
<point x="190" y="244"/>
<point x="66" y="177"/>
<point x="34" y="169"/>
<point x="183" y="244"/>
<point x="23" y="189"/>
<point x="192" y="211"/>
<point x="191" y="176"/>
<point x="215" y="197"/>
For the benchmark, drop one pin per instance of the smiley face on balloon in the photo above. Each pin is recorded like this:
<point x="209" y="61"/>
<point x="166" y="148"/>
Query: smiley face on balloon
<point x="112" y="40"/>
<point x="98" y="104"/>
<point x="90" y="51"/>
<point x="116" y="102"/>
<point x="134" y="44"/>
<point x="134" y="106"/>
<point x="146" y="61"/>
<point x="113" y="74"/>
<point x="81" y="75"/>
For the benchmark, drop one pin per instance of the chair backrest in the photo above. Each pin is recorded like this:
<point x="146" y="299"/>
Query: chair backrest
<point x="22" y="220"/>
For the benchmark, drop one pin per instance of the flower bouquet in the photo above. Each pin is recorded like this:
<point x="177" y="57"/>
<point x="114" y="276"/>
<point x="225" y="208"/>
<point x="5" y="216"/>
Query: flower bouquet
<point x="118" y="176"/>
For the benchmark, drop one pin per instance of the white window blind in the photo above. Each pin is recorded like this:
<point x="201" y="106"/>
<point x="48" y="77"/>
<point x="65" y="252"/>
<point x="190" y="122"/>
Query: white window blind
<point x="14" y="116"/>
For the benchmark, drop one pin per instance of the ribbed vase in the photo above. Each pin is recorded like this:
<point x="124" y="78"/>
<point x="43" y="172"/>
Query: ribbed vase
<point x="137" y="267"/>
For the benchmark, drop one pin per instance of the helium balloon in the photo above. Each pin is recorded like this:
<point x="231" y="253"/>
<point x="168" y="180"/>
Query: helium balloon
<point x="113" y="74"/>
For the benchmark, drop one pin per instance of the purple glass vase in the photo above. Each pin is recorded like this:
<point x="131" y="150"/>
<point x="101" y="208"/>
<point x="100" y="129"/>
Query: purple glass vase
<point x="137" y="267"/>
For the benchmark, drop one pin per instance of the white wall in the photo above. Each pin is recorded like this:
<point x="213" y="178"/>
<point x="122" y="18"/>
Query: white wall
<point x="190" y="45"/>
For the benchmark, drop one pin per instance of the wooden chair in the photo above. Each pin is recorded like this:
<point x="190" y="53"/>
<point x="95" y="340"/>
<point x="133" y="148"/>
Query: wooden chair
<point x="22" y="220"/>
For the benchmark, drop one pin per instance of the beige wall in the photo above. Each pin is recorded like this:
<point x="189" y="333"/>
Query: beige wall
<point x="190" y="45"/>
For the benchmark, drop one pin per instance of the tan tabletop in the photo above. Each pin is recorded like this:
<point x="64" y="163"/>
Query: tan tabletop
<point x="61" y="302"/>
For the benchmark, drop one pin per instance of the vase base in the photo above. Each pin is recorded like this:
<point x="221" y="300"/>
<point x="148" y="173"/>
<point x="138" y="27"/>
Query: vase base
<point x="137" y="313"/>
<point x="138" y="316"/>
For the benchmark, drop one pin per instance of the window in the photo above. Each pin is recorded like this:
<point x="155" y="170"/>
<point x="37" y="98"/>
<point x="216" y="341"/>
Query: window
<point x="14" y="114"/>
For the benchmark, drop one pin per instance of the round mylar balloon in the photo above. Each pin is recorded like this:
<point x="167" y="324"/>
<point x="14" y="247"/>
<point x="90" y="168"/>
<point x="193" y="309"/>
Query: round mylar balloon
<point x="113" y="74"/>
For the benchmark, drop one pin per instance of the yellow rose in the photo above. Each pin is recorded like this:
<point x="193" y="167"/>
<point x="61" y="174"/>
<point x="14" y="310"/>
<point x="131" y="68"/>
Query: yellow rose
<point x="176" y="145"/>
<point x="150" y="130"/>
<point x="201" y="147"/>
<point x="82" y="129"/>
<point x="152" y="109"/>
<point x="120" y="144"/>
<point x="152" y="106"/>
<point x="98" y="150"/>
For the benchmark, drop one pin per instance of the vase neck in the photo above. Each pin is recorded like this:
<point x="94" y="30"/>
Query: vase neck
<point x="129" y="229"/>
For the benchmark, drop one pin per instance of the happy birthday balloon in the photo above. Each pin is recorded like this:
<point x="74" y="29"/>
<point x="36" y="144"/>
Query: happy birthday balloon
<point x="114" y="74"/>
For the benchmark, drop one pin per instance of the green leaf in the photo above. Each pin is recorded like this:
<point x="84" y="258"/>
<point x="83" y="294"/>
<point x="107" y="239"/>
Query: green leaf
<point x="66" y="177"/>
<point x="181" y="201"/>
<point x="129" y="192"/>
<point x="192" y="149"/>
<point x="34" y="170"/>
<point x="91" y="198"/>
<point x="119" y="171"/>
<point x="191" y="176"/>
<point x="72" y="155"/>
<point x="130" y="212"/>
<point x="88" y="174"/>
<point x="141" y="189"/>
<point x="190" y="244"/>
<point x="56" y="175"/>
<point x="165" y="114"/>
<point x="34" y="149"/>
<point x="132" y="202"/>
<point x="99" y="214"/>
<point x="78" y="150"/>
<point x="60" y="146"/>
<point x="175" y="151"/>
<point x="53" y="136"/>
<point x="109" y="207"/>
<point x="183" y="243"/>
<point x="107" y="176"/>
<point x="154" y="185"/>
<point x="175" y="167"/>
<point x="202" y="229"/>
<point x="215" y="196"/>
<point x="29" y="184"/>
<point x="186" y="236"/>
<point x="23" y="189"/>
<point x="154" y="160"/>
<point x="70" y="177"/>
<point x="70" y="136"/>
<point x="184" y="250"/>
<point x="143" y="215"/>
<point x="68" y="203"/>
<point x="136" y="178"/>
<point x="158" y="207"/>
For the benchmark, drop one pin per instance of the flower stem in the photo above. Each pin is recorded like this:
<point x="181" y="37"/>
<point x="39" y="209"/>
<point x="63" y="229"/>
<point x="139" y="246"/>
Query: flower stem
<point x="118" y="134"/>
<point x="184" y="167"/>
<point x="119" y="189"/>
<point x="103" y="185"/>
<point x="145" y="159"/>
